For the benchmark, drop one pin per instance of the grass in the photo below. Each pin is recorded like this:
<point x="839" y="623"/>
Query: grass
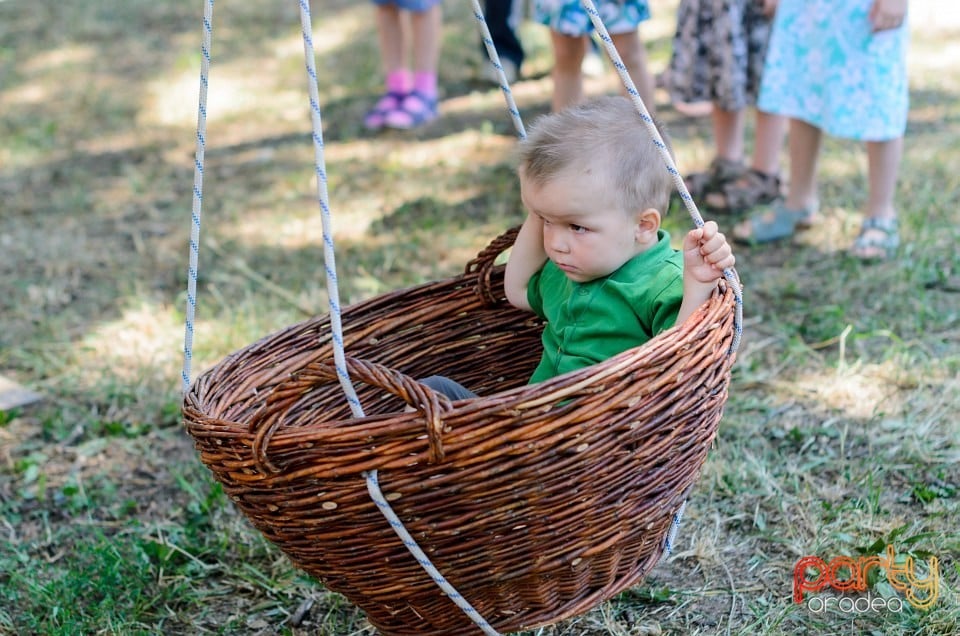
<point x="840" y="436"/>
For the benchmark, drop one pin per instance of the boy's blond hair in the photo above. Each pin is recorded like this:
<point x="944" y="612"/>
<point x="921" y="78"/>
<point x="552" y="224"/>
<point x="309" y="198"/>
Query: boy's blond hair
<point x="606" y="137"/>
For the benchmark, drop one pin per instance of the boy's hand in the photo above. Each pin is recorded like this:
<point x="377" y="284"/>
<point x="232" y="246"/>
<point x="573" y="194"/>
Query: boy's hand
<point x="706" y="253"/>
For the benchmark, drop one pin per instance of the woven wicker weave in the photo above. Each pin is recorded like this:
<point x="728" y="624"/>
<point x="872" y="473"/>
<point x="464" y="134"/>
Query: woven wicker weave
<point x="536" y="502"/>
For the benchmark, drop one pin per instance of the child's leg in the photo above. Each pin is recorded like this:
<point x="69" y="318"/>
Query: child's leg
<point x="727" y="165"/>
<point x="879" y="236"/>
<point x="568" y="54"/>
<point x="446" y="386"/>
<point x="804" y="152"/>
<point x="769" y="133"/>
<point x="781" y="219"/>
<point x="503" y="17"/>
<point x="426" y="30"/>
<point x="728" y="133"/>
<point x="420" y="105"/>
<point x="883" y="166"/>
<point x="634" y="56"/>
<point x="761" y="183"/>
<point x="396" y="76"/>
<point x="390" y="36"/>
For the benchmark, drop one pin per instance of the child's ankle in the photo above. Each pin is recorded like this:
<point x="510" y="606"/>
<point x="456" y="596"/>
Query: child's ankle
<point x="425" y="83"/>
<point x="399" y="81"/>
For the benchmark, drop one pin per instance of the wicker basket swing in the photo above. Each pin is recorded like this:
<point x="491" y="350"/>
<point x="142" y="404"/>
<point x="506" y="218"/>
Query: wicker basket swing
<point x="535" y="502"/>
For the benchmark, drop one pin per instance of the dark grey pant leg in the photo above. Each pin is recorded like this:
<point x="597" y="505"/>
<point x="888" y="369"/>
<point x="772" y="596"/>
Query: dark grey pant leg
<point x="499" y="17"/>
<point x="446" y="386"/>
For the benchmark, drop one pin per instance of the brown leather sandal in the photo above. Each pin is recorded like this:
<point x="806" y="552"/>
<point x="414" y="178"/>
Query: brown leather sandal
<point x="750" y="189"/>
<point x="721" y="171"/>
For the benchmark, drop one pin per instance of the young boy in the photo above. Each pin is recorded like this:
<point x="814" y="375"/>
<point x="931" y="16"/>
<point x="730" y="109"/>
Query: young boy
<point x="590" y="257"/>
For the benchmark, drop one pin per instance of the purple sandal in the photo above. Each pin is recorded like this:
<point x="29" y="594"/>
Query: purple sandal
<point x="376" y="117"/>
<point x="414" y="110"/>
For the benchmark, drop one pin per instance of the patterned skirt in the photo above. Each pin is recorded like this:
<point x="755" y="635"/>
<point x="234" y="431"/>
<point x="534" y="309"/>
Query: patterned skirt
<point x="718" y="53"/>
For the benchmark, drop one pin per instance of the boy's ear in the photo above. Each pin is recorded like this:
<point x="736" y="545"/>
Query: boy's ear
<point x="648" y="222"/>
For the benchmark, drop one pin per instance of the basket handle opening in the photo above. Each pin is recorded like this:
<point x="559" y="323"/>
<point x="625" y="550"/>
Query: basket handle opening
<point x="270" y="417"/>
<point x="482" y="266"/>
<point x="421" y="398"/>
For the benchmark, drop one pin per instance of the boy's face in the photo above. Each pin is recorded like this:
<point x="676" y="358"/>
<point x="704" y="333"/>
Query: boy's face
<point x="584" y="232"/>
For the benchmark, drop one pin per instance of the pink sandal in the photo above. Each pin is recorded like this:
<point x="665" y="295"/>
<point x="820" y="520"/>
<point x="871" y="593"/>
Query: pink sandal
<point x="414" y="110"/>
<point x="376" y="117"/>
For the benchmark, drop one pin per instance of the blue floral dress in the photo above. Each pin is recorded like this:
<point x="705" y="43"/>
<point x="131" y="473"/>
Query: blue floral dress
<point x="825" y="66"/>
<point x="569" y="18"/>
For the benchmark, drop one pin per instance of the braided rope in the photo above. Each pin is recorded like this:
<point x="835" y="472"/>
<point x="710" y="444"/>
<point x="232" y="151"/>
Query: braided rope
<point x="729" y="273"/>
<point x="197" y="196"/>
<point x="495" y="60"/>
<point x="323" y="198"/>
<point x="336" y="326"/>
<point x="674" y="527"/>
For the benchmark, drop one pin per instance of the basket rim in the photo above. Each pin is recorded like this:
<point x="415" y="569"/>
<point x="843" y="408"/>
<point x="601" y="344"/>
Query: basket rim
<point x="444" y="416"/>
<point x="560" y="386"/>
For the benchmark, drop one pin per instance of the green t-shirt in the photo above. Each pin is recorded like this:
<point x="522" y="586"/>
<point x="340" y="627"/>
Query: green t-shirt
<point x="590" y="322"/>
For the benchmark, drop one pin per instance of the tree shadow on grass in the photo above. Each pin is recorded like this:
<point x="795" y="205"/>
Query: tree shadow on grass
<point x="422" y="239"/>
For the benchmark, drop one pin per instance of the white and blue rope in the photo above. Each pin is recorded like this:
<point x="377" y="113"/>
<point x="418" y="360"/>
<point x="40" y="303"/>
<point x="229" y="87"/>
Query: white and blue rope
<point x="197" y="196"/>
<point x="674" y="528"/>
<point x="373" y="489"/>
<point x="688" y="202"/>
<point x="336" y="326"/>
<point x="495" y="60"/>
<point x="329" y="258"/>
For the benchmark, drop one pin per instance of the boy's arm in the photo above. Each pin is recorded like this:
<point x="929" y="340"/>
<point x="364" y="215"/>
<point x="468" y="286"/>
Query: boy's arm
<point x="526" y="258"/>
<point x="706" y="253"/>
